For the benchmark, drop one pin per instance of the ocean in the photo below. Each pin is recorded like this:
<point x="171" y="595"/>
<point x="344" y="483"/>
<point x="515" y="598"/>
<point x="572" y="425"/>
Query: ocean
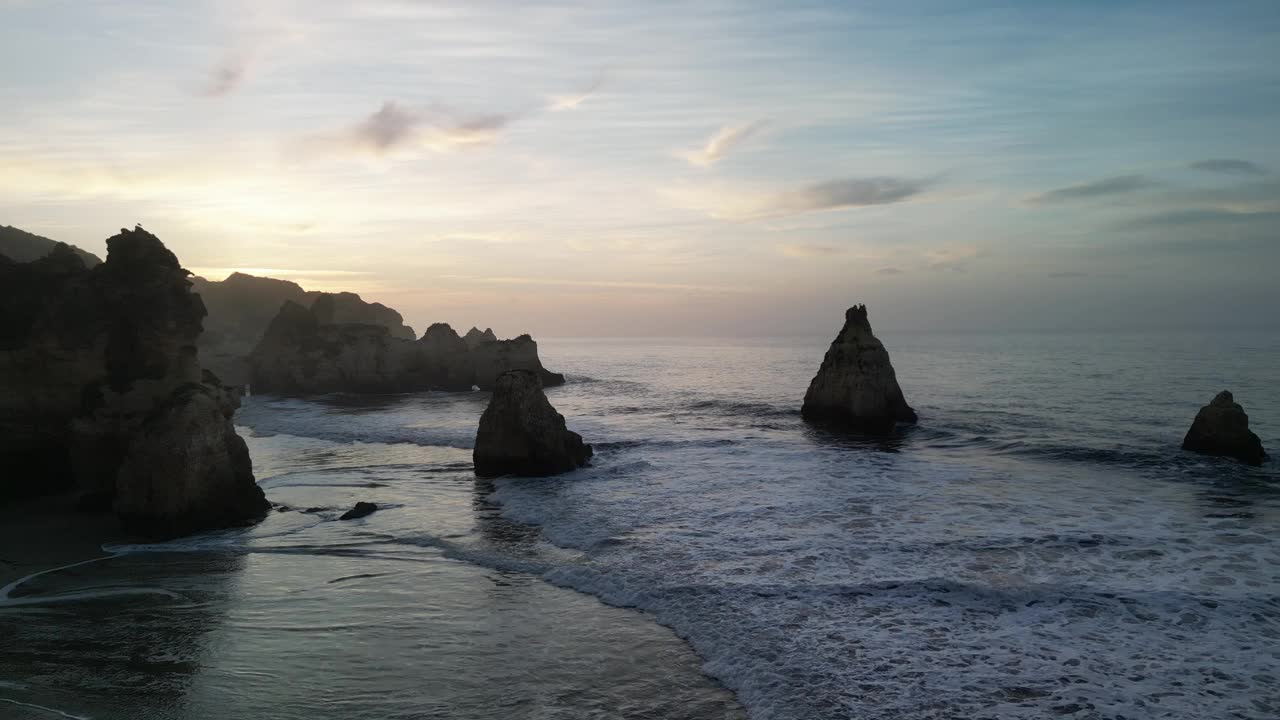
<point x="1037" y="546"/>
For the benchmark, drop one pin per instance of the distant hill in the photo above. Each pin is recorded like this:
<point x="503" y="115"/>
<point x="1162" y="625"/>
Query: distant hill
<point x="22" y="246"/>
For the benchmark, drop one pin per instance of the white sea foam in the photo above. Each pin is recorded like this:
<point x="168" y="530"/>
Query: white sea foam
<point x="1035" y="549"/>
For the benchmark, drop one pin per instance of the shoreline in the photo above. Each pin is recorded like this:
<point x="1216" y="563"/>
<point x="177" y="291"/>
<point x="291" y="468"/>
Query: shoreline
<point x="48" y="533"/>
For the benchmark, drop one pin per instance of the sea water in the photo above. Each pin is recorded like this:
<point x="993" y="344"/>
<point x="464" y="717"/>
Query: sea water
<point x="1037" y="546"/>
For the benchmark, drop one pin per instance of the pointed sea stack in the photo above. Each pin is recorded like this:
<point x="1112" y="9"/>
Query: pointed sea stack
<point x="522" y="434"/>
<point x="1222" y="428"/>
<point x="856" y="386"/>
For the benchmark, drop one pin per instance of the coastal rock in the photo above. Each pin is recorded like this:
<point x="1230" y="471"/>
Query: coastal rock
<point x="298" y="355"/>
<point x="346" y="307"/>
<point x="492" y="359"/>
<point x="24" y="247"/>
<point x="360" y="510"/>
<point x="1222" y="428"/>
<point x="242" y="307"/>
<point x="301" y="354"/>
<point x="89" y="360"/>
<point x="522" y="434"/>
<point x="474" y="337"/>
<point x="186" y="469"/>
<point x="856" y="385"/>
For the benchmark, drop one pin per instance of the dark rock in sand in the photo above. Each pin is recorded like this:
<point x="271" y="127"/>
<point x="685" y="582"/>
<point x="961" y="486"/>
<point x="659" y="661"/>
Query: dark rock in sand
<point x="101" y="389"/>
<point x="360" y="510"/>
<point x="1222" y="428"/>
<point x="856" y="386"/>
<point x="522" y="434"/>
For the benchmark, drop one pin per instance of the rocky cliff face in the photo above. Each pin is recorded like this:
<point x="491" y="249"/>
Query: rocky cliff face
<point x="243" y="306"/>
<point x="856" y="385"/>
<point x="21" y="246"/>
<point x="300" y="353"/>
<point x="522" y="434"/>
<point x="92" y="362"/>
<point x="347" y="308"/>
<point x="474" y="337"/>
<point x="1222" y="428"/>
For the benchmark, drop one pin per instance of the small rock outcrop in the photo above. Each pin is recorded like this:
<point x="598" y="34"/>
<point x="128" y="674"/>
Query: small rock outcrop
<point x="856" y="386"/>
<point x="359" y="510"/>
<point x="474" y="337"/>
<point x="301" y="354"/>
<point x="522" y="434"/>
<point x="1222" y="428"/>
<point x="101" y="391"/>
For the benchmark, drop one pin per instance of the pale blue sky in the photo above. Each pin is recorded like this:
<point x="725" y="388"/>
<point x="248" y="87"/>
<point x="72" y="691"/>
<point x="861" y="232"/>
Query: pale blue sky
<point x="671" y="168"/>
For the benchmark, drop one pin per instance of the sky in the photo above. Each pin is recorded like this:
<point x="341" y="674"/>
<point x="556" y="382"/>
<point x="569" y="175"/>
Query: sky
<point x="689" y="168"/>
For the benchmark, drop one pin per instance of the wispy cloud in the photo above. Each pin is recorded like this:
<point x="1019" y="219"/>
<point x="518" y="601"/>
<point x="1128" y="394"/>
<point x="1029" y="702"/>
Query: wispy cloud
<point x="603" y="284"/>
<point x="1204" y="217"/>
<point x="953" y="259"/>
<point x="1228" y="166"/>
<point x="556" y="103"/>
<point x="397" y="126"/>
<point x="852" y="192"/>
<point x="721" y="144"/>
<point x="1107" y="187"/>
<point x="806" y="250"/>
<point x="218" y="273"/>
<point x="728" y="203"/>
<point x="227" y="75"/>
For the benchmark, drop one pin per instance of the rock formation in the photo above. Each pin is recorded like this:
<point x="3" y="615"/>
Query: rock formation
<point x="101" y="390"/>
<point x="856" y="386"/>
<point x="243" y="306"/>
<point x="1222" y="428"/>
<point x="300" y="353"/>
<point x="522" y="434"/>
<point x="23" y="247"/>
<point x="344" y="307"/>
<point x="359" y="510"/>
<point x="474" y="337"/>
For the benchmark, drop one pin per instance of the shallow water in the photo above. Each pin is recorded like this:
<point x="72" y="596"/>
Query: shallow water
<point x="1037" y="547"/>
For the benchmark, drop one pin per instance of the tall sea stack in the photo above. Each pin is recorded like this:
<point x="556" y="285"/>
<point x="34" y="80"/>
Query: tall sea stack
<point x="101" y="391"/>
<point x="856" y="386"/>
<point x="1222" y="428"/>
<point x="522" y="434"/>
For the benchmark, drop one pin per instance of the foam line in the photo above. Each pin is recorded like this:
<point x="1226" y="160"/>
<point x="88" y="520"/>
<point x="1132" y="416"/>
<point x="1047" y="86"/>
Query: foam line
<point x="47" y="709"/>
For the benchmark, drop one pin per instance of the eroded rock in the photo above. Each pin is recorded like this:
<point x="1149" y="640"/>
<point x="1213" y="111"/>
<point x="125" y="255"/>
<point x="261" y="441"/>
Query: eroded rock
<point x="1222" y="428"/>
<point x="856" y="386"/>
<point x="522" y="434"/>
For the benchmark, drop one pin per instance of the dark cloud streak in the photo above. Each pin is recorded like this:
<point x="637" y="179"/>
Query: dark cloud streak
<point x="1228" y="166"/>
<point x="1107" y="187"/>
<point x="852" y="192"/>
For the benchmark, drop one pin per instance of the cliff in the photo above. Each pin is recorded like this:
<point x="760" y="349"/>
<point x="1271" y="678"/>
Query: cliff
<point x="302" y="353"/>
<point x="243" y="306"/>
<point x="856" y="385"/>
<point x="96" y="366"/>
<point x="23" y="247"/>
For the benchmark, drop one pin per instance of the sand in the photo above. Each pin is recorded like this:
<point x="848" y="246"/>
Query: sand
<point x="46" y="533"/>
